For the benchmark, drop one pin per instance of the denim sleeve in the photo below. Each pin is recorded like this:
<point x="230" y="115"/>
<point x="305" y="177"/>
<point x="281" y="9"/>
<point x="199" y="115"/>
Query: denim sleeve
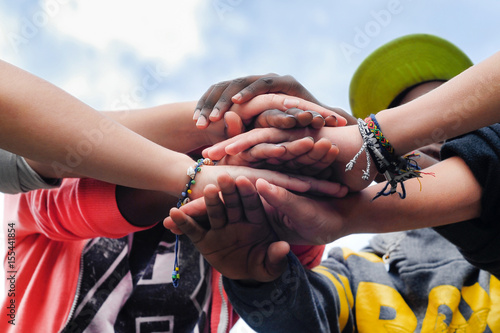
<point x="300" y="300"/>
<point x="479" y="240"/>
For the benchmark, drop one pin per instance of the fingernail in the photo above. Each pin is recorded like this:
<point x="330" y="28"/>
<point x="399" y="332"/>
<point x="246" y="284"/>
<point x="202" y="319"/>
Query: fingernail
<point x="280" y="146"/>
<point x="237" y="97"/>
<point x="202" y="121"/>
<point x="196" y="114"/>
<point x="331" y="120"/>
<point x="215" y="113"/>
<point x="310" y="137"/>
<point x="291" y="102"/>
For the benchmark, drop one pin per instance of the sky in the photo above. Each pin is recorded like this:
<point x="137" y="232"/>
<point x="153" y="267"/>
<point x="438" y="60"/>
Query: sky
<point x="101" y="51"/>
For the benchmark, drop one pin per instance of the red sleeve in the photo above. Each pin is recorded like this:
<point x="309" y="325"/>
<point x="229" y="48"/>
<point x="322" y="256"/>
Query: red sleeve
<point x="309" y="255"/>
<point x="78" y="209"/>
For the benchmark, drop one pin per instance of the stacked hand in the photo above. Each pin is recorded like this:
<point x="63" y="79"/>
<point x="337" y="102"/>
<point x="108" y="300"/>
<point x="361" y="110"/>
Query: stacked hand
<point x="239" y="242"/>
<point x="219" y="99"/>
<point x="242" y="238"/>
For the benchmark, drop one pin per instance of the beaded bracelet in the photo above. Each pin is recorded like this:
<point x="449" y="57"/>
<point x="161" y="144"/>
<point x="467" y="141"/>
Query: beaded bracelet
<point x="396" y="169"/>
<point x="374" y="127"/>
<point x="184" y="199"/>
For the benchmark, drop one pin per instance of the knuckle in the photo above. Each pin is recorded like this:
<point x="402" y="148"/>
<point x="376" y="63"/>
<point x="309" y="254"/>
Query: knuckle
<point x="223" y="99"/>
<point x="240" y="80"/>
<point x="268" y="81"/>
<point x="221" y="84"/>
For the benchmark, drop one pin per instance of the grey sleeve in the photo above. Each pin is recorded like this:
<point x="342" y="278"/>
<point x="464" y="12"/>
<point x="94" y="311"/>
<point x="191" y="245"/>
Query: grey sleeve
<point x="17" y="176"/>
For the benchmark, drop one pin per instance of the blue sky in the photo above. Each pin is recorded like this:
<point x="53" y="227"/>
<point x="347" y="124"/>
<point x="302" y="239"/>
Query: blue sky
<point x="100" y="51"/>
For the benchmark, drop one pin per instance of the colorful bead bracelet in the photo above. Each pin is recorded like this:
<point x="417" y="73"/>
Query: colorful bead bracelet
<point x="184" y="199"/>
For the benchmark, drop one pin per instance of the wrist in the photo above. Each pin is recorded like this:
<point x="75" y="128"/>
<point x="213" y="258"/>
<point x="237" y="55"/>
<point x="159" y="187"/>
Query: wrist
<point x="177" y="174"/>
<point x="403" y="133"/>
<point x="192" y="178"/>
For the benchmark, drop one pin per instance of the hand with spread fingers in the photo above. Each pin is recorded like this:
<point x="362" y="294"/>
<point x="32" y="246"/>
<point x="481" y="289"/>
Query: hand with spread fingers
<point x="346" y="138"/>
<point x="302" y="156"/>
<point x="222" y="97"/>
<point x="239" y="242"/>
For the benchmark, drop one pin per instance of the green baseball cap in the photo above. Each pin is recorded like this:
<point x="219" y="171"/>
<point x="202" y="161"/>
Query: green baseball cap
<point x="399" y="65"/>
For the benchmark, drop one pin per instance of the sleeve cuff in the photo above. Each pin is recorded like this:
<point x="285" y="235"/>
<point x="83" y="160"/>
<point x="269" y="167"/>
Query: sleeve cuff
<point x="97" y="201"/>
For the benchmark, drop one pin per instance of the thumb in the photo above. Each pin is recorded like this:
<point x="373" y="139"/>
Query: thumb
<point x="279" y="198"/>
<point x="294" y="212"/>
<point x="276" y="260"/>
<point x="234" y="124"/>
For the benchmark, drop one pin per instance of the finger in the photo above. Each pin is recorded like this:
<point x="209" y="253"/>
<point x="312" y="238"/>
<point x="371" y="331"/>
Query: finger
<point x="303" y="118"/>
<point x="252" y="205"/>
<point x="215" y="207"/>
<point x="287" y="204"/>
<point x="307" y="118"/>
<point x="300" y="183"/>
<point x="234" y="124"/>
<point x="334" y="113"/>
<point x="276" y="260"/>
<point x="246" y="140"/>
<point x="195" y="208"/>
<point x="313" y="166"/>
<point x="269" y="135"/>
<point x="232" y="200"/>
<point x="200" y="103"/>
<point x="350" y="120"/>
<point x="198" y="211"/>
<point x="297" y="148"/>
<point x="280" y="179"/>
<point x="169" y="224"/>
<point x="324" y="187"/>
<point x="272" y="84"/>
<point x="225" y="100"/>
<point x="318" y="157"/>
<point x="331" y="121"/>
<point x="263" y="151"/>
<point x="238" y="160"/>
<point x="318" y="121"/>
<point x="275" y="118"/>
<point x="187" y="225"/>
<point x="208" y="107"/>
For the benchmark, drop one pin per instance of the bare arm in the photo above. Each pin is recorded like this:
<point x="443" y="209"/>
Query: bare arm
<point x="452" y="196"/>
<point x="46" y="124"/>
<point x="467" y="102"/>
<point x="169" y="125"/>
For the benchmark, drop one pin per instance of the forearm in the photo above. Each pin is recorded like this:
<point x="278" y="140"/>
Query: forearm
<point x="42" y="122"/>
<point x="453" y="195"/>
<point x="37" y="116"/>
<point x="169" y="125"/>
<point x="467" y="102"/>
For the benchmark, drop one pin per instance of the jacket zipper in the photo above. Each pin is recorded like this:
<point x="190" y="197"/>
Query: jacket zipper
<point x="77" y="294"/>
<point x="224" y="311"/>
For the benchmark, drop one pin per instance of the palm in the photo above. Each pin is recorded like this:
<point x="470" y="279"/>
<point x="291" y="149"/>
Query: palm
<point x="240" y="243"/>
<point x="238" y="250"/>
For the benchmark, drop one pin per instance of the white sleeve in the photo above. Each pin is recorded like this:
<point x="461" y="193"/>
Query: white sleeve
<point x="17" y="176"/>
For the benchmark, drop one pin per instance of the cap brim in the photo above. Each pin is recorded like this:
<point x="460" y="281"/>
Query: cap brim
<point x="399" y="65"/>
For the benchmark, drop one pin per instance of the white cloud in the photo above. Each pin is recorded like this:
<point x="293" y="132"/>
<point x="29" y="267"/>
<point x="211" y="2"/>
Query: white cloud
<point x="154" y="28"/>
